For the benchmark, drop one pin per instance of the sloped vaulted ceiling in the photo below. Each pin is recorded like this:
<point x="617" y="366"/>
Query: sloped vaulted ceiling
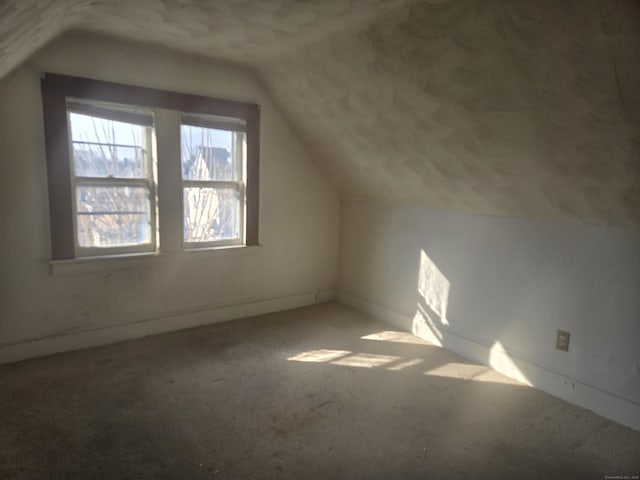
<point x="509" y="107"/>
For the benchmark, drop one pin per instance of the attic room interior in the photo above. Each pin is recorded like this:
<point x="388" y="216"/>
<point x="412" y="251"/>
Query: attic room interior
<point x="319" y="239"/>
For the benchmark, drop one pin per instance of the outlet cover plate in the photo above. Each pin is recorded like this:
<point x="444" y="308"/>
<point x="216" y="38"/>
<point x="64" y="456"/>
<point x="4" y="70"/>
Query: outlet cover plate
<point x="562" y="340"/>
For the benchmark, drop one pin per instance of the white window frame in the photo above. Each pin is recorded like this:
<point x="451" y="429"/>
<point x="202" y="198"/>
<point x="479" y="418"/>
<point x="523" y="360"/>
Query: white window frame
<point x="121" y="113"/>
<point x="233" y="125"/>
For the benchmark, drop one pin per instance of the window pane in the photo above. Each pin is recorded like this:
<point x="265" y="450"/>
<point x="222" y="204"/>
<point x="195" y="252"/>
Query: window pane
<point x="113" y="216"/>
<point x="211" y="154"/>
<point x="103" y="148"/>
<point x="211" y="214"/>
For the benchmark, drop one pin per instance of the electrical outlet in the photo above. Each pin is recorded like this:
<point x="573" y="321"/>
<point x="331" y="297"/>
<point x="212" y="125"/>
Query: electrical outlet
<point x="562" y="340"/>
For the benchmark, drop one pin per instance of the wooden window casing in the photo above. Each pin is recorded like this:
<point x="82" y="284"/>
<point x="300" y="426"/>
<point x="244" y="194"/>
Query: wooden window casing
<point x="56" y="89"/>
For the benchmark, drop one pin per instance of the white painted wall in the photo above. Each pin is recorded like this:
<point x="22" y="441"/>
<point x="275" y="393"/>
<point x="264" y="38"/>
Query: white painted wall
<point x="496" y="289"/>
<point x="87" y="304"/>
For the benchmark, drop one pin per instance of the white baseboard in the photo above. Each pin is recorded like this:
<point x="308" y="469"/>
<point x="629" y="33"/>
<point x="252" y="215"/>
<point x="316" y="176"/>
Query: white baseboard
<point x="119" y="333"/>
<point x="587" y="396"/>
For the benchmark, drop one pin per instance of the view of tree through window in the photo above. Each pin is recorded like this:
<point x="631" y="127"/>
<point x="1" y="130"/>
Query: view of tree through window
<point x="212" y="162"/>
<point x="113" y="181"/>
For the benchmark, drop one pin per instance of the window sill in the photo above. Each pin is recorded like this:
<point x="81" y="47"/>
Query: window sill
<point x="108" y="263"/>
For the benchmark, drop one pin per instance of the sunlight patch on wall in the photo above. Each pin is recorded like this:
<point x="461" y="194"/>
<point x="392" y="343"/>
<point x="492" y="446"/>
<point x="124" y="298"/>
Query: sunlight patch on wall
<point x="430" y="323"/>
<point x="500" y="360"/>
<point x="423" y="327"/>
<point x="433" y="299"/>
<point x="433" y="287"/>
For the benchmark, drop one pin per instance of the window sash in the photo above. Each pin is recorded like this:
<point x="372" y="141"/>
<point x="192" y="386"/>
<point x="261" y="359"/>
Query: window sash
<point x="237" y="142"/>
<point x="236" y="185"/>
<point x="232" y="125"/>
<point x="213" y="121"/>
<point x="82" y="251"/>
<point x="115" y="112"/>
<point x="119" y="114"/>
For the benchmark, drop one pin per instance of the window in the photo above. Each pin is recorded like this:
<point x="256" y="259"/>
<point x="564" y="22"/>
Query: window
<point x="112" y="179"/>
<point x="213" y="156"/>
<point x="136" y="170"/>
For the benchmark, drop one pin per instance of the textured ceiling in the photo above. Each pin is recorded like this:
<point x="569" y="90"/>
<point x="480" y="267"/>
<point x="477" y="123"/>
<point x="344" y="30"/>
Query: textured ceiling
<point x="508" y="107"/>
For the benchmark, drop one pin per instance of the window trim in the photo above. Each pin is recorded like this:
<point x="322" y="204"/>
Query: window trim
<point x="56" y="89"/>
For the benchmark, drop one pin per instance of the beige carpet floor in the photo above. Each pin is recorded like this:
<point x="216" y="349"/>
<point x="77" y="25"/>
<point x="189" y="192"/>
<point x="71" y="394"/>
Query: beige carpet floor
<point x="318" y="392"/>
